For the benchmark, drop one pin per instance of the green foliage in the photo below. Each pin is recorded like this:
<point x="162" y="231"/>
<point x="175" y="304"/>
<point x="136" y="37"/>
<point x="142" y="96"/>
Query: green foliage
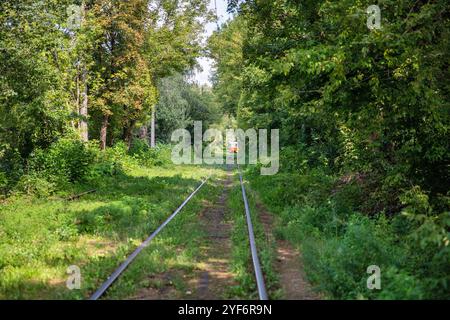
<point x="370" y="102"/>
<point x="35" y="184"/>
<point x="339" y="243"/>
<point x="173" y="40"/>
<point x="180" y="104"/>
<point x="429" y="240"/>
<point x="11" y="167"/>
<point x="34" y="101"/>
<point x="111" y="162"/>
<point x="158" y="156"/>
<point x="363" y="117"/>
<point x="67" y="159"/>
<point x="3" y="181"/>
<point x="100" y="77"/>
<point x="225" y="47"/>
<point x="341" y="267"/>
<point x="279" y="193"/>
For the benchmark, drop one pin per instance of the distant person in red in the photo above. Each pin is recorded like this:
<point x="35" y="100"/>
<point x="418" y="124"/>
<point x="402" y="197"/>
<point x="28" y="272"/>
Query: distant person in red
<point x="234" y="147"/>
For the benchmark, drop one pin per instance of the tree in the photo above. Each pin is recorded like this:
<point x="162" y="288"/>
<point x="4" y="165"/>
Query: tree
<point x="173" y="41"/>
<point x="370" y="100"/>
<point x="84" y="33"/>
<point x="353" y="101"/>
<point x="180" y="104"/>
<point x="225" y="48"/>
<point x="52" y="73"/>
<point x="34" y="103"/>
<point x="124" y="91"/>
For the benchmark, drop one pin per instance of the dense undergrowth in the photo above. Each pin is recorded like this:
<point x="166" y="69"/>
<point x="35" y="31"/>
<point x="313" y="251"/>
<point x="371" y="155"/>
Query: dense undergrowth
<point x="68" y="161"/>
<point x="326" y="215"/>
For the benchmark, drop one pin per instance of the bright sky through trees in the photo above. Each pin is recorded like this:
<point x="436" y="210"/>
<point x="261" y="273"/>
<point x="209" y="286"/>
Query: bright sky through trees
<point x="202" y="78"/>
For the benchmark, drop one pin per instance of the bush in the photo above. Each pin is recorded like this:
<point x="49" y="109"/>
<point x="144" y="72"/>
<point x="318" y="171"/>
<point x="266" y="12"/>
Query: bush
<point x="428" y="239"/>
<point x="67" y="159"/>
<point x="111" y="162"/>
<point x="341" y="263"/>
<point x="338" y="244"/>
<point x="3" y="182"/>
<point x="11" y="167"/>
<point x="301" y="158"/>
<point x="285" y="190"/>
<point x="139" y="147"/>
<point x="146" y="156"/>
<point x="400" y="285"/>
<point x="308" y="221"/>
<point x="33" y="184"/>
<point x="292" y="159"/>
<point x="118" y="156"/>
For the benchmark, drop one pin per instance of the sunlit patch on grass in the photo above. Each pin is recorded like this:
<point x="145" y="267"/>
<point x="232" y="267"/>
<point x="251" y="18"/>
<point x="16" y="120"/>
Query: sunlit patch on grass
<point x="41" y="238"/>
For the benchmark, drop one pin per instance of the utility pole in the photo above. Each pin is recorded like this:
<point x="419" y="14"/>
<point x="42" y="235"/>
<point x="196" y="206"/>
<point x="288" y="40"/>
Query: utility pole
<point x="75" y="21"/>
<point x="152" y="129"/>
<point x="84" y="104"/>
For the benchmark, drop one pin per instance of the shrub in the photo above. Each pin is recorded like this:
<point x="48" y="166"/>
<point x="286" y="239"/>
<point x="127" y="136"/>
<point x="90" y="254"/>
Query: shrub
<point x="292" y="159"/>
<point x="138" y="147"/>
<point x="110" y="162"/>
<point x="308" y="221"/>
<point x="400" y="285"/>
<point x="282" y="190"/>
<point x="3" y="182"/>
<point x="119" y="157"/>
<point x="158" y="156"/>
<point x="68" y="159"/>
<point x="11" y="167"/>
<point x="340" y="266"/>
<point x="428" y="241"/>
<point x="33" y="184"/>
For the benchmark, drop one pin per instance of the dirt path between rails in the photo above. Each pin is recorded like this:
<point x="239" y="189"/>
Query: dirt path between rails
<point x="211" y="277"/>
<point x="214" y="277"/>
<point x="288" y="265"/>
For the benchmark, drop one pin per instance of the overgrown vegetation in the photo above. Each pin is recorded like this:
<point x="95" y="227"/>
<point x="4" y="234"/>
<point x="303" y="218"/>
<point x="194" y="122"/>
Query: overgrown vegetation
<point x="181" y="103"/>
<point x="41" y="236"/>
<point x="70" y="83"/>
<point x="364" y="129"/>
<point x="325" y="217"/>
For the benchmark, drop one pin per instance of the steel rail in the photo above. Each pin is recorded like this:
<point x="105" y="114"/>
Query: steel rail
<point x="144" y="244"/>
<point x="256" y="265"/>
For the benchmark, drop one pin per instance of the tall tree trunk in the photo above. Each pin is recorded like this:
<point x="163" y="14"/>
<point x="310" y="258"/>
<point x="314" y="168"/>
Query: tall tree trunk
<point x="84" y="107"/>
<point x="75" y="125"/>
<point x="103" y="132"/>
<point x="128" y="133"/>
<point x="81" y="88"/>
<point x="152" y="130"/>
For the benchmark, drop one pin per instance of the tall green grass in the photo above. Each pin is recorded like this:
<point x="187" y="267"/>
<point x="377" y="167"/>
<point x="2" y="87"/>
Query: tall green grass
<point x="40" y="237"/>
<point x="339" y="242"/>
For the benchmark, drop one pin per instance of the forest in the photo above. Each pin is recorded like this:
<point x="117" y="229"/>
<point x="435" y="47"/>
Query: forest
<point x="92" y="90"/>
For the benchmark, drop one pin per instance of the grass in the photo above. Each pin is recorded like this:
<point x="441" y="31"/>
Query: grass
<point x="339" y="241"/>
<point x="40" y="238"/>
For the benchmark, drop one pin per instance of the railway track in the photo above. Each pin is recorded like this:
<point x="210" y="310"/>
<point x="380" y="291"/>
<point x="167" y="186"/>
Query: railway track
<point x="262" y="293"/>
